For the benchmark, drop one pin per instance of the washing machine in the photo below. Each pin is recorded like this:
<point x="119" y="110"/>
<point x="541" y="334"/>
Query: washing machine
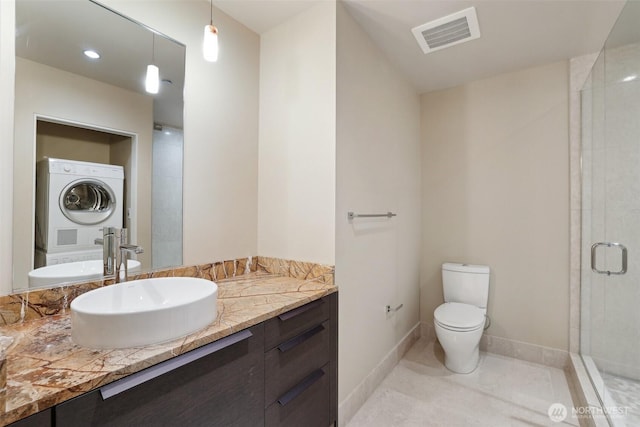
<point x="74" y="201"/>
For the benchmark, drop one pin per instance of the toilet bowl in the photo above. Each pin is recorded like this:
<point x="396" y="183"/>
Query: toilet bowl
<point x="459" y="322"/>
<point x="459" y="328"/>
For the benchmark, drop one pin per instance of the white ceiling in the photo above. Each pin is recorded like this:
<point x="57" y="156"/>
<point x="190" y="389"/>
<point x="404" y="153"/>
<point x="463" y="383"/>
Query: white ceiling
<point x="515" y="34"/>
<point x="262" y="15"/>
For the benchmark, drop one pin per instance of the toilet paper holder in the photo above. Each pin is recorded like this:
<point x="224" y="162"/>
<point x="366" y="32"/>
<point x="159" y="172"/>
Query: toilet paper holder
<point x="388" y="308"/>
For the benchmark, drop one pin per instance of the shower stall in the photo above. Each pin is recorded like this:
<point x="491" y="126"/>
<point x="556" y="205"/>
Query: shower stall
<point x="610" y="244"/>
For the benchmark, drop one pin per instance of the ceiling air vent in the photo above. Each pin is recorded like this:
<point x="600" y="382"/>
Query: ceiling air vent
<point x="450" y="30"/>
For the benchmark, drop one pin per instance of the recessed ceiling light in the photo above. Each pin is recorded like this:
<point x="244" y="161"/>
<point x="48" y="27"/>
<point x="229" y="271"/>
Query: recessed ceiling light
<point x="630" y="78"/>
<point x="92" y="54"/>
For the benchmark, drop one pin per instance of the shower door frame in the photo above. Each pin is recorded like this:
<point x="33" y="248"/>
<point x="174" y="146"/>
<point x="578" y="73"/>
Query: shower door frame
<point x="613" y="144"/>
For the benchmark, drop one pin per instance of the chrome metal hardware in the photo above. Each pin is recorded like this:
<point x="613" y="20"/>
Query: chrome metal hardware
<point x="125" y="248"/>
<point x="594" y="248"/>
<point x="351" y="215"/>
<point x="389" y="309"/>
<point x="109" y="246"/>
<point x="116" y="249"/>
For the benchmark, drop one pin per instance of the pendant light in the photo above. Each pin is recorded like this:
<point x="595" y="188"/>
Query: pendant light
<point x="210" y="42"/>
<point x="152" y="81"/>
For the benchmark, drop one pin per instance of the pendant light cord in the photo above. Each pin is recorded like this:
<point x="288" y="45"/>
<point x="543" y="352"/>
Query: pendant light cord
<point x="153" y="48"/>
<point x="211" y="13"/>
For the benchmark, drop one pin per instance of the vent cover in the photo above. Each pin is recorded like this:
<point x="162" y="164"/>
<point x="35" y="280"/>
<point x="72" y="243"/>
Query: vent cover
<point x="450" y="30"/>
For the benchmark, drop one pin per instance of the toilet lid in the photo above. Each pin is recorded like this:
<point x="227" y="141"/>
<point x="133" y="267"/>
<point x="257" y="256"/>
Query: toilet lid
<point x="459" y="316"/>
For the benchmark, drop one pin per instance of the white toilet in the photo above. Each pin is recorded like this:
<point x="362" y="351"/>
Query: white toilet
<point x="460" y="321"/>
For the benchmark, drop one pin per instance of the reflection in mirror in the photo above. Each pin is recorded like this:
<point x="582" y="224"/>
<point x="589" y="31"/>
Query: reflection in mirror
<point x="92" y="149"/>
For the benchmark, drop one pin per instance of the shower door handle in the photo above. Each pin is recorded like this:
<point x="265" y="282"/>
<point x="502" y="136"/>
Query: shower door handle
<point x="623" y="270"/>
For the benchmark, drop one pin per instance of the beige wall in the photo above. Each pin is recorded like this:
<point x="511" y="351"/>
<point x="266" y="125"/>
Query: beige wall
<point x="296" y="196"/>
<point x="496" y="192"/>
<point x="54" y="93"/>
<point x="378" y="170"/>
<point x="68" y="142"/>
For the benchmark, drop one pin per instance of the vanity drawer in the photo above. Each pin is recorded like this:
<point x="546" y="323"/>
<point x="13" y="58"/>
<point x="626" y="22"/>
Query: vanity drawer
<point x="224" y="388"/>
<point x="291" y="361"/>
<point x="306" y="404"/>
<point x="41" y="419"/>
<point x="288" y="325"/>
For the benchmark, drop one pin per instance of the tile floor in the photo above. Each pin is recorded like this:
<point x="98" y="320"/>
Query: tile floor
<point x="626" y="394"/>
<point x="502" y="391"/>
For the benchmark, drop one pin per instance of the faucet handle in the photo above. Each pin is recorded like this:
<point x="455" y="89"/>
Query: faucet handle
<point x="124" y="237"/>
<point x="132" y="248"/>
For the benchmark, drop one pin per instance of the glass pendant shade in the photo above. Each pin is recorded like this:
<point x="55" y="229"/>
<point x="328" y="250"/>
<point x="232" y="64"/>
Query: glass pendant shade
<point x="152" y="82"/>
<point x="210" y="43"/>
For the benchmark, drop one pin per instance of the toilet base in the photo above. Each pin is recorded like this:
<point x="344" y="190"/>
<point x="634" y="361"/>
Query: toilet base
<point x="461" y="349"/>
<point x="462" y="364"/>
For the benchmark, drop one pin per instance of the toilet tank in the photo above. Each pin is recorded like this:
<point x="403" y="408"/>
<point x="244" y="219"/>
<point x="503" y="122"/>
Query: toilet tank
<point x="464" y="283"/>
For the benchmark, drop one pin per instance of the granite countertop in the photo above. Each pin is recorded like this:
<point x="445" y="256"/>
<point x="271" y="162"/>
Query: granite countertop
<point x="44" y="367"/>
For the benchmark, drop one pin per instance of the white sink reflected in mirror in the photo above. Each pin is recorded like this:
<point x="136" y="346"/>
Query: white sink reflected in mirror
<point x="143" y="312"/>
<point x="73" y="272"/>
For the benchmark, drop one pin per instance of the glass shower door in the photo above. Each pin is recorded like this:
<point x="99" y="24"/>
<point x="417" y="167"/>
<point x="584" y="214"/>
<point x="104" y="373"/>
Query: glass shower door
<point x="610" y="325"/>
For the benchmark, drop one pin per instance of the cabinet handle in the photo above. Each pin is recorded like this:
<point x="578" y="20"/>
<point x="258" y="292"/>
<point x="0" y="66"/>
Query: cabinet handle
<point x="288" y="345"/>
<point x="301" y="387"/>
<point x="298" y="311"/>
<point x="162" y="368"/>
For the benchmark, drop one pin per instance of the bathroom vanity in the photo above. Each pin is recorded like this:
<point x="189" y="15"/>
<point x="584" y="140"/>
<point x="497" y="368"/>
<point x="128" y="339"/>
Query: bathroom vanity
<point x="278" y="369"/>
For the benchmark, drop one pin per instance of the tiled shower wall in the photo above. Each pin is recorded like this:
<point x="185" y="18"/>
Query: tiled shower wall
<point x="166" y="205"/>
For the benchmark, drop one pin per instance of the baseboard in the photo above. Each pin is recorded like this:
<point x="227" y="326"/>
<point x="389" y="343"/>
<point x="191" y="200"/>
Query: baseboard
<point x="427" y="331"/>
<point x="547" y="356"/>
<point x="352" y="403"/>
<point x="511" y="348"/>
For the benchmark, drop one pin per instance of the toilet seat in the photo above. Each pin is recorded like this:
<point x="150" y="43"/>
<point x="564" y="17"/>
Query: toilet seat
<point x="457" y="316"/>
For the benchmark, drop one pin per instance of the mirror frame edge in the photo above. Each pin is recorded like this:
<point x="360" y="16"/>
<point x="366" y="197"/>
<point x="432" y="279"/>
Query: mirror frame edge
<point x="7" y="101"/>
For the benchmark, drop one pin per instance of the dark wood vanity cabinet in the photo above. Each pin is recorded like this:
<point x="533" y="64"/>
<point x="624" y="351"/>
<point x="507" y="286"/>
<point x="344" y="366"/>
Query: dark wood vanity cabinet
<point x="223" y="388"/>
<point x="282" y="372"/>
<point x="40" y="419"/>
<point x="301" y="366"/>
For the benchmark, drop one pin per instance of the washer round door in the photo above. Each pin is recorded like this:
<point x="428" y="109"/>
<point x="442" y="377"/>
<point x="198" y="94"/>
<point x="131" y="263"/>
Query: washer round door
<point x="87" y="201"/>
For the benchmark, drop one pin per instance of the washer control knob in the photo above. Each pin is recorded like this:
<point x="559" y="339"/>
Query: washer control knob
<point x="67" y="168"/>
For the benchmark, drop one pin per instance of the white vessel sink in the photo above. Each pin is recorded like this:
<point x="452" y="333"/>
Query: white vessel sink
<point x="143" y="312"/>
<point x="73" y="272"/>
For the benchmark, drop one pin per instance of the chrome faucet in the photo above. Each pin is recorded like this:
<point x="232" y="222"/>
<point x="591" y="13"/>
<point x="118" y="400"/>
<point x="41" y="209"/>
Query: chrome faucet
<point x="109" y="250"/>
<point x="125" y="248"/>
<point x="116" y="250"/>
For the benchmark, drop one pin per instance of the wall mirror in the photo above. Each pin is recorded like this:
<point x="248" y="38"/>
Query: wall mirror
<point x="92" y="147"/>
